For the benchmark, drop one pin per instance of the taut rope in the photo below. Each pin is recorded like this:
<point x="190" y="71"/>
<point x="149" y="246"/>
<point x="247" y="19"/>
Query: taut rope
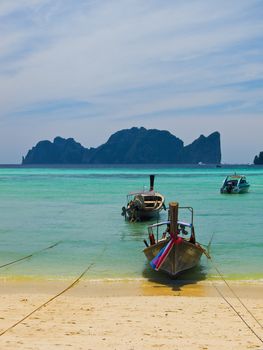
<point x="232" y="307"/>
<point x="241" y="302"/>
<point x="51" y="299"/>
<point x="47" y="302"/>
<point x="30" y="255"/>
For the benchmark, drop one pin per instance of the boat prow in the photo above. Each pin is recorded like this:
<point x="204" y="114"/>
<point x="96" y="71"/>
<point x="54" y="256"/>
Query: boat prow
<point x="169" y="251"/>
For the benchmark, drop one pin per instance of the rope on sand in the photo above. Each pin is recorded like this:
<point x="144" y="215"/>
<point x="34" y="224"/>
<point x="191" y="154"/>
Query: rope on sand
<point x="30" y="255"/>
<point x="51" y="299"/>
<point x="241" y="302"/>
<point x="48" y="301"/>
<point x="235" y="310"/>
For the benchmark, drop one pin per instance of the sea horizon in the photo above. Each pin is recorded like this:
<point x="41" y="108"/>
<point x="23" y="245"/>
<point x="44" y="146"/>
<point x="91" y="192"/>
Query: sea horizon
<point x="128" y="165"/>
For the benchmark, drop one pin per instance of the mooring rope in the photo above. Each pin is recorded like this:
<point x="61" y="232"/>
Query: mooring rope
<point x="54" y="297"/>
<point x="241" y="302"/>
<point x="240" y="316"/>
<point x="47" y="302"/>
<point x="37" y="252"/>
<point x="233" y="308"/>
<point x="30" y="255"/>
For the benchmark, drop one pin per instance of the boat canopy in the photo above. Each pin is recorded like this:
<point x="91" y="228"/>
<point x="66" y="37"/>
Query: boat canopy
<point x="147" y="193"/>
<point x="236" y="176"/>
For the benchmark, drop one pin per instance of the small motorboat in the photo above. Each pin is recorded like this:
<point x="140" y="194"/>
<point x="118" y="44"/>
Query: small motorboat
<point x="235" y="184"/>
<point x="169" y="250"/>
<point x="143" y="205"/>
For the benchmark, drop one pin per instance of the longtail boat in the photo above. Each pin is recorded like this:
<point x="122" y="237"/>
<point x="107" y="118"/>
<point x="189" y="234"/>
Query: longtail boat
<point x="143" y="205"/>
<point x="169" y="250"/>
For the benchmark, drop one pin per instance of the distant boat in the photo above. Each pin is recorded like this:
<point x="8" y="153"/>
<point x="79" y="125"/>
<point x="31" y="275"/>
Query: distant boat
<point x="168" y="251"/>
<point x="235" y="184"/>
<point x="143" y="205"/>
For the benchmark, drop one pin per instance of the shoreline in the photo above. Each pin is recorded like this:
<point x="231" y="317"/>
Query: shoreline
<point x="132" y="287"/>
<point x="161" y="278"/>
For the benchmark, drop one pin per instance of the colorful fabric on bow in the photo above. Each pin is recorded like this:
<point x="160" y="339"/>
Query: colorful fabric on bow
<point x="157" y="261"/>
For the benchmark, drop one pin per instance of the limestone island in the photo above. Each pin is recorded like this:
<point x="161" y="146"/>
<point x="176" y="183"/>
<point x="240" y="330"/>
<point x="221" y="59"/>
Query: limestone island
<point x="129" y="146"/>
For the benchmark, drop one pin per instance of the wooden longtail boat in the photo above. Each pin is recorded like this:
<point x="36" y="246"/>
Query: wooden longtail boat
<point x="168" y="250"/>
<point x="143" y="205"/>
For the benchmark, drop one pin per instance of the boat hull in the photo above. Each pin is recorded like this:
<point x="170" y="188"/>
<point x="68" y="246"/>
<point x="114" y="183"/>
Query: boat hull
<point x="143" y="214"/>
<point x="182" y="257"/>
<point x="144" y="206"/>
<point x="235" y="190"/>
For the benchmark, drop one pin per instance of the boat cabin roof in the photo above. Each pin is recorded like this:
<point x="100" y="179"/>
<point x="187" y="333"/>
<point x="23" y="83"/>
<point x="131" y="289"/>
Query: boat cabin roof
<point x="236" y="177"/>
<point x="143" y="193"/>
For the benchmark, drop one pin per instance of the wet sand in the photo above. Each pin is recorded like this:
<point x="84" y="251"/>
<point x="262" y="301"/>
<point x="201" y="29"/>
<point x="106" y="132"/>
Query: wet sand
<point x="133" y="314"/>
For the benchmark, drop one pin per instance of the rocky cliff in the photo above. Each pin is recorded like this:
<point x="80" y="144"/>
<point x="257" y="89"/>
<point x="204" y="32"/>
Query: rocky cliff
<point x="205" y="149"/>
<point x="129" y="146"/>
<point x="61" y="151"/>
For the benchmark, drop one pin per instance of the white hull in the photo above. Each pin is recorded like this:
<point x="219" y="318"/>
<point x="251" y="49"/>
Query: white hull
<point x="234" y="184"/>
<point x="235" y="190"/>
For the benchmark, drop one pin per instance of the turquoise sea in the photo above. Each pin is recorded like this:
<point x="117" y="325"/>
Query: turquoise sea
<point x="81" y="209"/>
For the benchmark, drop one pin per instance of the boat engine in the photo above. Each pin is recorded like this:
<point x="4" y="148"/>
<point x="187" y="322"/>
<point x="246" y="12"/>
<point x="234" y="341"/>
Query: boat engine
<point x="229" y="188"/>
<point x="124" y="210"/>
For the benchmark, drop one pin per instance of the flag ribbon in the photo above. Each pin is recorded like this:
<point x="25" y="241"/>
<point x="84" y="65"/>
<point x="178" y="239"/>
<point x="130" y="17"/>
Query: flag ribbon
<point x="160" y="258"/>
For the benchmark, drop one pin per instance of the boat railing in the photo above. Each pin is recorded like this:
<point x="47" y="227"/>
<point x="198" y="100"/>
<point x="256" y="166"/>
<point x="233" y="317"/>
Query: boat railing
<point x="191" y="211"/>
<point x="156" y="228"/>
<point x="181" y="225"/>
<point x="187" y="224"/>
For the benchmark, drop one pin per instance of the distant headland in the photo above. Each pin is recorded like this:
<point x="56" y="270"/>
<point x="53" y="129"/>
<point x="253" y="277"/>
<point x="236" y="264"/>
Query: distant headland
<point x="258" y="160"/>
<point x="129" y="146"/>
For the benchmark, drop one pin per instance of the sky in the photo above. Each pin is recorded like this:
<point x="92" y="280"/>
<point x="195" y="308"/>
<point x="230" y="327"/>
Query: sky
<point x="88" y="68"/>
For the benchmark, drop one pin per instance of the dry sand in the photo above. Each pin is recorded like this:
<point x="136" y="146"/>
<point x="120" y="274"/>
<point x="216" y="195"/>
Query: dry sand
<point x="129" y="315"/>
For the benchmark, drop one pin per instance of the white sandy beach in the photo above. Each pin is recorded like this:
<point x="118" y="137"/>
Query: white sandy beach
<point x="128" y="315"/>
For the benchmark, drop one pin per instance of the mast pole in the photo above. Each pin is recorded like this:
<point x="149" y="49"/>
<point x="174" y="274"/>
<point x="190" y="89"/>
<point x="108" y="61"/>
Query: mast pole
<point x="173" y="208"/>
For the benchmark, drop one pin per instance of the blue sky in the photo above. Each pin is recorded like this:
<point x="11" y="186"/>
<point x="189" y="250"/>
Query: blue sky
<point x="86" y="69"/>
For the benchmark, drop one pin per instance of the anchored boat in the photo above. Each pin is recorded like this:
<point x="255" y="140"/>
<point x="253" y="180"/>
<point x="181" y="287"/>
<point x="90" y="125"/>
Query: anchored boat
<point x="169" y="250"/>
<point x="235" y="184"/>
<point x="143" y="205"/>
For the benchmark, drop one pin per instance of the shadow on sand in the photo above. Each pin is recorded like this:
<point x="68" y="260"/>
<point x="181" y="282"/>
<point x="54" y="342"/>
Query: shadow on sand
<point x="187" y="280"/>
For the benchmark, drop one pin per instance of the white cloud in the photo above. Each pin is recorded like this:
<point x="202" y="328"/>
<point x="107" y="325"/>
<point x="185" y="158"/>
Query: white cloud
<point x="130" y="59"/>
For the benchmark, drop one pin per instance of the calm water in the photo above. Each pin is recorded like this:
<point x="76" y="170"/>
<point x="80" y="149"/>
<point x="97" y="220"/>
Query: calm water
<point x="81" y="208"/>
